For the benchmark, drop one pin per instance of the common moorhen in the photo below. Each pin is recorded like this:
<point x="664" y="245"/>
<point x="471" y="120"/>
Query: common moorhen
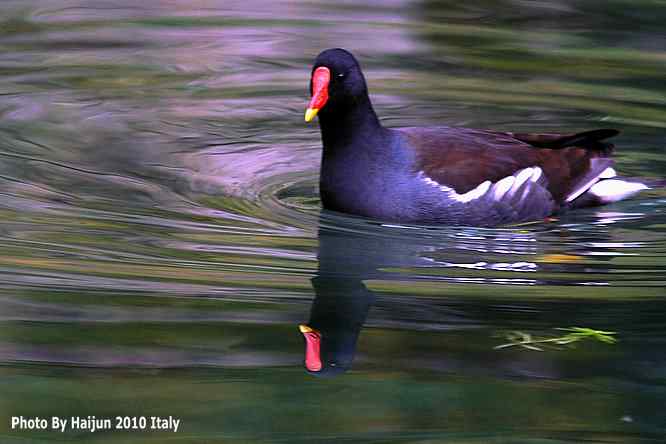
<point x="448" y="175"/>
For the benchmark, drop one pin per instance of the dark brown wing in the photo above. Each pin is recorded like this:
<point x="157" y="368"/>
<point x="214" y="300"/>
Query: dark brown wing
<point x="463" y="158"/>
<point x="593" y="140"/>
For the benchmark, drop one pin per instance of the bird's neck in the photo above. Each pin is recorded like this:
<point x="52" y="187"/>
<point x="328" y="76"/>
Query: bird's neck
<point x="349" y="128"/>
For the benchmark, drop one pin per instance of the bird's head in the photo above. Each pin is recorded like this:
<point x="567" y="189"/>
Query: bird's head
<point x="336" y="83"/>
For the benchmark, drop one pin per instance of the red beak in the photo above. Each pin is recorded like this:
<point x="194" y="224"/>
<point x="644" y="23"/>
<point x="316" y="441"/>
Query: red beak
<point x="312" y="348"/>
<point x="321" y="77"/>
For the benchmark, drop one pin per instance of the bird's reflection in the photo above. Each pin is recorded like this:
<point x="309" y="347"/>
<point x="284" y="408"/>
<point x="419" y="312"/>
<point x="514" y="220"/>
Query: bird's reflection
<point x="352" y="254"/>
<point x="347" y="258"/>
<point x="338" y="313"/>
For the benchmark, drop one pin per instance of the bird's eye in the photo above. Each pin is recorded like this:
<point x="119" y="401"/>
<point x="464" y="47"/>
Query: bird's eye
<point x="341" y="75"/>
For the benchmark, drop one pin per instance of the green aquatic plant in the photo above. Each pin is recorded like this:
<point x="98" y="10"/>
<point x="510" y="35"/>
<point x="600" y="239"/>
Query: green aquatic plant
<point x="575" y="334"/>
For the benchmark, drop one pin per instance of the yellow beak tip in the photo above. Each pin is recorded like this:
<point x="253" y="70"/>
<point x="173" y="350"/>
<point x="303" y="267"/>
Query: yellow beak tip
<point x="304" y="328"/>
<point x="310" y="114"/>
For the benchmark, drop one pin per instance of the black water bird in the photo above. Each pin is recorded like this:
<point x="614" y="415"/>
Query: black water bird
<point x="449" y="175"/>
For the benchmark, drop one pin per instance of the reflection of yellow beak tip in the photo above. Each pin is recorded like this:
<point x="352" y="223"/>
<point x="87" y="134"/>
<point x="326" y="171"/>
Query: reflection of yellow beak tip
<point x="560" y="258"/>
<point x="310" y="114"/>
<point x="304" y="328"/>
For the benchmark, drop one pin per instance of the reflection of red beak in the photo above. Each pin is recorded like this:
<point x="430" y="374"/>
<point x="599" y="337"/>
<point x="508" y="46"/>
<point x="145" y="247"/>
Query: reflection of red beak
<point x="321" y="77"/>
<point x="312" y="348"/>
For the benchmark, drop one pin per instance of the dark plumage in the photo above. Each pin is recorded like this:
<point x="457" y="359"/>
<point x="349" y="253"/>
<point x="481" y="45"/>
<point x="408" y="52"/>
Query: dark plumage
<point x="448" y="175"/>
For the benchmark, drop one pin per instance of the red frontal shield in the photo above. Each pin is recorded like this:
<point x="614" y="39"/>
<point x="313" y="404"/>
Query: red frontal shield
<point x="321" y="77"/>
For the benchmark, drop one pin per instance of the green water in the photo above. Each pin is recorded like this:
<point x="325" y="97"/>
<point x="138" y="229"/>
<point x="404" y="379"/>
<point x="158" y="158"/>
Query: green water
<point x="161" y="229"/>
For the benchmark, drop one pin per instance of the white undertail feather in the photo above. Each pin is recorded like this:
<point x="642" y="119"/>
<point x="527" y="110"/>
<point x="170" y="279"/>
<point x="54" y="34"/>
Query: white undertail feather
<point x="613" y="190"/>
<point x="606" y="189"/>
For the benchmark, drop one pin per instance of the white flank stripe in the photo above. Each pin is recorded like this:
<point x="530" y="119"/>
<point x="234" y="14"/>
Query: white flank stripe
<point x="582" y="189"/>
<point x="607" y="173"/>
<point x="475" y="193"/>
<point x="536" y="175"/>
<point x="509" y="184"/>
<point x="502" y="187"/>
<point x="521" y="178"/>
